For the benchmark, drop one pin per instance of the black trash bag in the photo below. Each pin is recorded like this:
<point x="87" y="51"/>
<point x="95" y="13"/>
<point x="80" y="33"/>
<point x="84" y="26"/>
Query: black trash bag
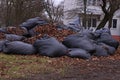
<point x="79" y="41"/>
<point x="32" y="32"/>
<point x="13" y="37"/>
<point x="103" y="30"/>
<point x="110" y="50"/>
<point x="106" y="30"/>
<point x="79" y="53"/>
<point x="41" y="22"/>
<point x="108" y="39"/>
<point x="100" y="51"/>
<point x="60" y="27"/>
<point x="27" y="34"/>
<point x="88" y="34"/>
<point x="25" y="31"/>
<point x="2" y="42"/>
<point x="74" y="27"/>
<point x="31" y="23"/>
<point x="49" y="46"/>
<point x="18" y="47"/>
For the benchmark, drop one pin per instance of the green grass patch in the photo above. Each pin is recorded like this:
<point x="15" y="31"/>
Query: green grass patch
<point x="20" y="66"/>
<point x="15" y="66"/>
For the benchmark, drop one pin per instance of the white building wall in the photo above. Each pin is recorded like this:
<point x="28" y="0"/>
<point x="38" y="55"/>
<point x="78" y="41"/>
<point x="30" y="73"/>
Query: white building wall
<point x="70" y="5"/>
<point x="69" y="14"/>
<point x="116" y="31"/>
<point x="72" y="9"/>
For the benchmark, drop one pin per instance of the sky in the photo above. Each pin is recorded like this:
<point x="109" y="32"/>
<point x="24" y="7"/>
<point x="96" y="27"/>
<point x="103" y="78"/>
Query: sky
<point x="58" y="1"/>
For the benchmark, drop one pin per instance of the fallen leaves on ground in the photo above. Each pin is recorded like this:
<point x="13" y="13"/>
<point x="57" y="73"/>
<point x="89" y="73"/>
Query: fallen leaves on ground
<point x="17" y="66"/>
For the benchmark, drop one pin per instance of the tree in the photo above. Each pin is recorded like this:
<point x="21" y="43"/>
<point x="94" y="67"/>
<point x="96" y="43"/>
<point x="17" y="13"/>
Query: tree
<point x="8" y="12"/>
<point x="109" y="7"/>
<point x="14" y="12"/>
<point x="53" y="13"/>
<point x="85" y="7"/>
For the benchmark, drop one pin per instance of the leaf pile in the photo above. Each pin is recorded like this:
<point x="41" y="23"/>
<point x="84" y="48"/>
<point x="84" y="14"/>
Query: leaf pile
<point x="50" y="30"/>
<point x="39" y="32"/>
<point x="12" y="30"/>
<point x="16" y="30"/>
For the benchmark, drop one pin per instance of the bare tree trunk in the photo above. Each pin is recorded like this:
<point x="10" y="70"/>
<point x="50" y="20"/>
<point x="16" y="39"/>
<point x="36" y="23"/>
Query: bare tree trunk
<point x="8" y="14"/>
<point x="85" y="7"/>
<point x="103" y="22"/>
<point x="110" y="22"/>
<point x="109" y="11"/>
<point x="18" y="11"/>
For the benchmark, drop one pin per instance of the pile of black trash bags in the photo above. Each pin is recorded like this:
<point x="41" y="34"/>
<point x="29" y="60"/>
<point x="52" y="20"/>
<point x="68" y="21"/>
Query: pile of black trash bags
<point x="80" y="45"/>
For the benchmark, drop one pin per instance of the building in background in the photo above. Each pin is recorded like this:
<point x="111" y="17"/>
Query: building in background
<point x="74" y="10"/>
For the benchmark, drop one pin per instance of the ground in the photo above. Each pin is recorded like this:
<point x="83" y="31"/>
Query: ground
<point x="33" y="67"/>
<point x="90" y="70"/>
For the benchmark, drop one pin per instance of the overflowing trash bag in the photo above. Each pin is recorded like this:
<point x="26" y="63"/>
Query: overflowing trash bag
<point x="13" y="37"/>
<point x="31" y="23"/>
<point x="2" y="42"/>
<point x="18" y="47"/>
<point x="49" y="46"/>
<point x="108" y="39"/>
<point x="79" y="41"/>
<point x="79" y="53"/>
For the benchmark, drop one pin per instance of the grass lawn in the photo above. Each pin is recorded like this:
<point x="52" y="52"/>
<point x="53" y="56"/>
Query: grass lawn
<point x="21" y="66"/>
<point x="16" y="66"/>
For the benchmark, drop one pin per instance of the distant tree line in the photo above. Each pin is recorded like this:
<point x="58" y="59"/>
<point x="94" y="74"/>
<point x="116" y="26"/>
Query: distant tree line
<point x="14" y="12"/>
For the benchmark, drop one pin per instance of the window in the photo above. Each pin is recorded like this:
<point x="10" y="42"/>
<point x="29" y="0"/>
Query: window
<point x="89" y="2"/>
<point x="99" y="2"/>
<point x="79" y="3"/>
<point x="83" y="22"/>
<point x="114" y="25"/>
<point x="94" y="22"/>
<point x="94" y="2"/>
<point x="89" y="22"/>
